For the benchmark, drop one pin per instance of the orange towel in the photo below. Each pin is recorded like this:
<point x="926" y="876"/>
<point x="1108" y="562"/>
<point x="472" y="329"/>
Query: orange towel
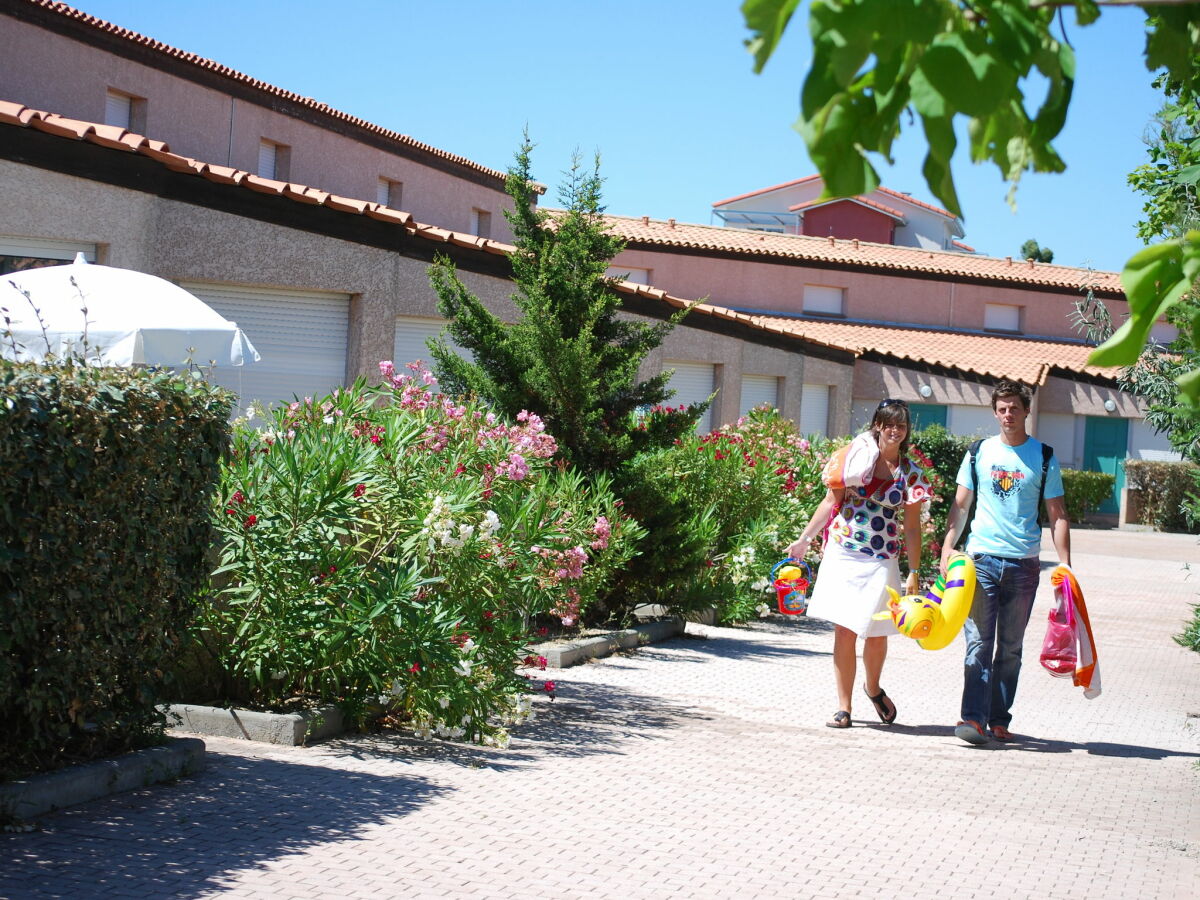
<point x="1087" y="671"/>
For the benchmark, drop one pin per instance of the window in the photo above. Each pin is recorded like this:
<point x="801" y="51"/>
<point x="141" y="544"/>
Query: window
<point x="814" y="409"/>
<point x="481" y="223"/>
<point x="20" y="253"/>
<point x="408" y="341"/>
<point x="629" y="273"/>
<point x="824" y="301"/>
<point x="1001" y="317"/>
<point x="124" y="111"/>
<point x="273" y="160"/>
<point x="692" y="382"/>
<point x="759" y="390"/>
<point x="389" y="193"/>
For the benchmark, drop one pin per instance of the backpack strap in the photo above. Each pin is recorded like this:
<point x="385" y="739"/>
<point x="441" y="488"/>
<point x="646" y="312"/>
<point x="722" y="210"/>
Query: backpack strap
<point x="973" y="452"/>
<point x="1047" y="452"/>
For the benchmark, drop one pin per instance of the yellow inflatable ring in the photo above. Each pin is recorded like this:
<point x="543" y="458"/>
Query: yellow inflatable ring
<point x="935" y="618"/>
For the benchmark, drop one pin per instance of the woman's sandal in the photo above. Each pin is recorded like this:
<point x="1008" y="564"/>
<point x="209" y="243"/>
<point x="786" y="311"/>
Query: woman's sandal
<point x="886" y="717"/>
<point x="841" y="719"/>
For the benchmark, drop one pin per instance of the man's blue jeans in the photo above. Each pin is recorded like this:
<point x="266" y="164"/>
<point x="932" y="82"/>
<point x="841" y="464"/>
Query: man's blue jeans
<point x="1004" y="591"/>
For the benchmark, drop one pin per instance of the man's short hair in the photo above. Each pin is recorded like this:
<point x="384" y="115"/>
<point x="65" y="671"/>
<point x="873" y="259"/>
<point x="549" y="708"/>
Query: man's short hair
<point x="1007" y="389"/>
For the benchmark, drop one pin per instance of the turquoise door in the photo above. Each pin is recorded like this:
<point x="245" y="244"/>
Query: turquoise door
<point x="925" y="414"/>
<point x="1105" y="442"/>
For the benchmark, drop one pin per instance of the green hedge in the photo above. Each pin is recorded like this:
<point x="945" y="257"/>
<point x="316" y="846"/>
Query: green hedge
<point x="1166" y="489"/>
<point x="1084" y="491"/>
<point x="105" y="478"/>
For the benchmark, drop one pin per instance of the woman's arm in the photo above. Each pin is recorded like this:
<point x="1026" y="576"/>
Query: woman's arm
<point x="912" y="544"/>
<point x="799" y="547"/>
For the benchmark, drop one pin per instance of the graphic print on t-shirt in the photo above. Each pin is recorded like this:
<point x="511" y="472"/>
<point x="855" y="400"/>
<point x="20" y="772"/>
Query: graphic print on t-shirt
<point x="1005" y="482"/>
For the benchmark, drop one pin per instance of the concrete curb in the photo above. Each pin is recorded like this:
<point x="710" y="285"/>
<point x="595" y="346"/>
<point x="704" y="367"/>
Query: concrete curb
<point x="289" y="729"/>
<point x="45" y="793"/>
<point x="561" y="656"/>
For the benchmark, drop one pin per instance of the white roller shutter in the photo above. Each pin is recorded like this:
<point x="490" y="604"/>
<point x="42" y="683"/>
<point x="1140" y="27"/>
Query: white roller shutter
<point x="692" y="382"/>
<point x="44" y="248"/>
<point x="409" y="344"/>
<point x="758" y="390"/>
<point x="968" y="421"/>
<point x="814" y="409"/>
<point x="301" y="336"/>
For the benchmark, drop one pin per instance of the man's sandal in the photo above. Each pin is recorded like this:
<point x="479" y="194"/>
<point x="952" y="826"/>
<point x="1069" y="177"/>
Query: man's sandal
<point x="971" y="732"/>
<point x="841" y="719"/>
<point x="881" y="702"/>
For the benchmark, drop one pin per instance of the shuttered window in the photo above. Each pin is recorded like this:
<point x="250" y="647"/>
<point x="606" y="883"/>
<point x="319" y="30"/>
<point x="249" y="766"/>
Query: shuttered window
<point x="759" y="390"/>
<point x="692" y="382"/>
<point x="267" y="159"/>
<point x="45" y="248"/>
<point x="409" y="343"/>
<point x="814" y="409"/>
<point x="1001" y="317"/>
<point x="824" y="300"/>
<point x="389" y="193"/>
<point x="629" y="273"/>
<point x="118" y="110"/>
<point x="301" y="336"/>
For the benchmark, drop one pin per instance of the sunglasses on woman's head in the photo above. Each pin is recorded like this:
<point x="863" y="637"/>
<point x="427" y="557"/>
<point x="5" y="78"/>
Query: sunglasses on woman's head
<point x="886" y="403"/>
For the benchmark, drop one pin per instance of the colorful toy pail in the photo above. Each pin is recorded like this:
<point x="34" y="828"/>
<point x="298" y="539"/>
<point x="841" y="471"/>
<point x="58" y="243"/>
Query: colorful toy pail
<point x="792" y="579"/>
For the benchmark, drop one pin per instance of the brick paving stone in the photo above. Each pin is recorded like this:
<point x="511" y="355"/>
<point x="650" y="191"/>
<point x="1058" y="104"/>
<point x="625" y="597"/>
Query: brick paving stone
<point x="701" y="767"/>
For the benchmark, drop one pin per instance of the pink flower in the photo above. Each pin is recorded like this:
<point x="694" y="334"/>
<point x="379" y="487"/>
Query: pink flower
<point x="548" y="687"/>
<point x="387" y="369"/>
<point x="804" y="444"/>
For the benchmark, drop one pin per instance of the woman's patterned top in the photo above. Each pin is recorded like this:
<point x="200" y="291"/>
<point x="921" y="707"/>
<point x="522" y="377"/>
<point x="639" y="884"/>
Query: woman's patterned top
<point x="868" y="523"/>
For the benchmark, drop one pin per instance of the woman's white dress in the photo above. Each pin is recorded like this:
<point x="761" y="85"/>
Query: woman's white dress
<point x="862" y="550"/>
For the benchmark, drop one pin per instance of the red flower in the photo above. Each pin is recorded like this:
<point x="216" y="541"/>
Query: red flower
<point x="332" y="569"/>
<point x="238" y="497"/>
<point x="541" y="661"/>
<point x="251" y="520"/>
<point x="376" y="439"/>
<point x="488" y="614"/>
<point x="528" y="661"/>
<point x="415" y="668"/>
<point x="543" y="631"/>
<point x="229" y="512"/>
<point x="548" y="687"/>
<point x="359" y="490"/>
<point x="459" y="469"/>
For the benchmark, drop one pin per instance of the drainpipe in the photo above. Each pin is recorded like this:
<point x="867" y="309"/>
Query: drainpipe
<point x="229" y="150"/>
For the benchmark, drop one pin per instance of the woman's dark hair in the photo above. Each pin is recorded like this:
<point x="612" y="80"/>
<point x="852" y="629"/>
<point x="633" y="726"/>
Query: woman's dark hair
<point x="892" y="412"/>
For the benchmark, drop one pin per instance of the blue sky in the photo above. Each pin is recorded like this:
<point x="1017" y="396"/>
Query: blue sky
<point x="664" y="90"/>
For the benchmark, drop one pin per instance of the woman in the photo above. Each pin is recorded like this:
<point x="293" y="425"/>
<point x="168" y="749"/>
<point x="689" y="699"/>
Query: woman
<point x="860" y="559"/>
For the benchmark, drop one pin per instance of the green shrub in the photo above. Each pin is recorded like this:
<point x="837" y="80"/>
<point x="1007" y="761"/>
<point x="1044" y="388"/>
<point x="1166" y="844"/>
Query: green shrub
<point x="105" y="479"/>
<point x="1167" y="490"/>
<point x="388" y="541"/>
<point x="945" y="452"/>
<point x="1084" y="491"/>
<point x="741" y="493"/>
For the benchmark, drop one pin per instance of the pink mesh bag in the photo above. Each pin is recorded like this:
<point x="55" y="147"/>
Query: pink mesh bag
<point x="1059" y="656"/>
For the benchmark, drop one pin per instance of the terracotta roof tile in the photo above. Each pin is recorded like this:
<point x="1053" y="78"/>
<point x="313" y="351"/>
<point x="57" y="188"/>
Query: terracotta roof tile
<point x="346" y="204"/>
<point x="64" y="127"/>
<point x="992" y="356"/>
<point x="109" y="136"/>
<point x="267" y="89"/>
<point x="767" y="190"/>
<point x="887" y="258"/>
<point x="865" y="201"/>
<point x="902" y="196"/>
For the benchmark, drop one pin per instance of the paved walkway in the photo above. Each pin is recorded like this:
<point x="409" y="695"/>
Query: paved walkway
<point x="701" y="768"/>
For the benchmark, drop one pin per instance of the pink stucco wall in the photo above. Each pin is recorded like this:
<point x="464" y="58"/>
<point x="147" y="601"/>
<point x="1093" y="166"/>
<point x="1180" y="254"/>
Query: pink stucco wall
<point x="871" y="296"/>
<point x="848" y="220"/>
<point x="43" y="70"/>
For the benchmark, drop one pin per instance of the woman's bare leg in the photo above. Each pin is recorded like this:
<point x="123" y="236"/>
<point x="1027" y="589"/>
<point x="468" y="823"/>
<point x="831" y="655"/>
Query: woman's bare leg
<point x="844" y="662"/>
<point x="874" y="653"/>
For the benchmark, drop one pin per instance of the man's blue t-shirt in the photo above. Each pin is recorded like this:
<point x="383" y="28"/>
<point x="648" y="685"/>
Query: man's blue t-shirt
<point x="1005" y="522"/>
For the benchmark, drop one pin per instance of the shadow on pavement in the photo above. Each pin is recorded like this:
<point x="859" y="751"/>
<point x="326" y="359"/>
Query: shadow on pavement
<point x="584" y="720"/>
<point x="180" y="840"/>
<point x="1029" y="744"/>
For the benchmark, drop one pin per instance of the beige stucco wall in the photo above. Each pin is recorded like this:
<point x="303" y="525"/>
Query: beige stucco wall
<point x="218" y="129"/>
<point x="748" y="284"/>
<point x="1059" y="395"/>
<point x="182" y="242"/>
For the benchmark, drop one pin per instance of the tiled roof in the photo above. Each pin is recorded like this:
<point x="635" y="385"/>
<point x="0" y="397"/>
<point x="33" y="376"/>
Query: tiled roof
<point x="993" y="356"/>
<point x="886" y="258"/>
<point x="961" y="246"/>
<point x="767" y="190"/>
<point x="116" y="138"/>
<point x="899" y="195"/>
<point x="268" y="89"/>
<point x="864" y="200"/>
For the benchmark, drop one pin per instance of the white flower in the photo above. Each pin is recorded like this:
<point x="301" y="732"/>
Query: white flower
<point x="443" y="702"/>
<point x="763" y="610"/>
<point x="466" y="720"/>
<point x="490" y="524"/>
<point x="463" y="667"/>
<point x="397" y="688"/>
<point x="761" y="585"/>
<point x="328" y="420"/>
<point x="468" y="645"/>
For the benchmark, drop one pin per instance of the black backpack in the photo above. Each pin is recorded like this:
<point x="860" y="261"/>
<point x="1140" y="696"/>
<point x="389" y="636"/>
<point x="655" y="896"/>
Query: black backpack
<point x="973" y="451"/>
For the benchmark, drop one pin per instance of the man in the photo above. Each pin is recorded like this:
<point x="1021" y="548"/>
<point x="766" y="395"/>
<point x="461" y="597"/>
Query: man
<point x="1005" y="541"/>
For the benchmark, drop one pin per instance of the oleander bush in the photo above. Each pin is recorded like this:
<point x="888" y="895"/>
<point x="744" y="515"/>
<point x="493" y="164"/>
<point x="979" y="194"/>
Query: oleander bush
<point x="389" y="542"/>
<point x="1084" y="491"/>
<point x="944" y="452"/>
<point x="1168" y="490"/>
<point x="105" y="480"/>
<point x="747" y="489"/>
